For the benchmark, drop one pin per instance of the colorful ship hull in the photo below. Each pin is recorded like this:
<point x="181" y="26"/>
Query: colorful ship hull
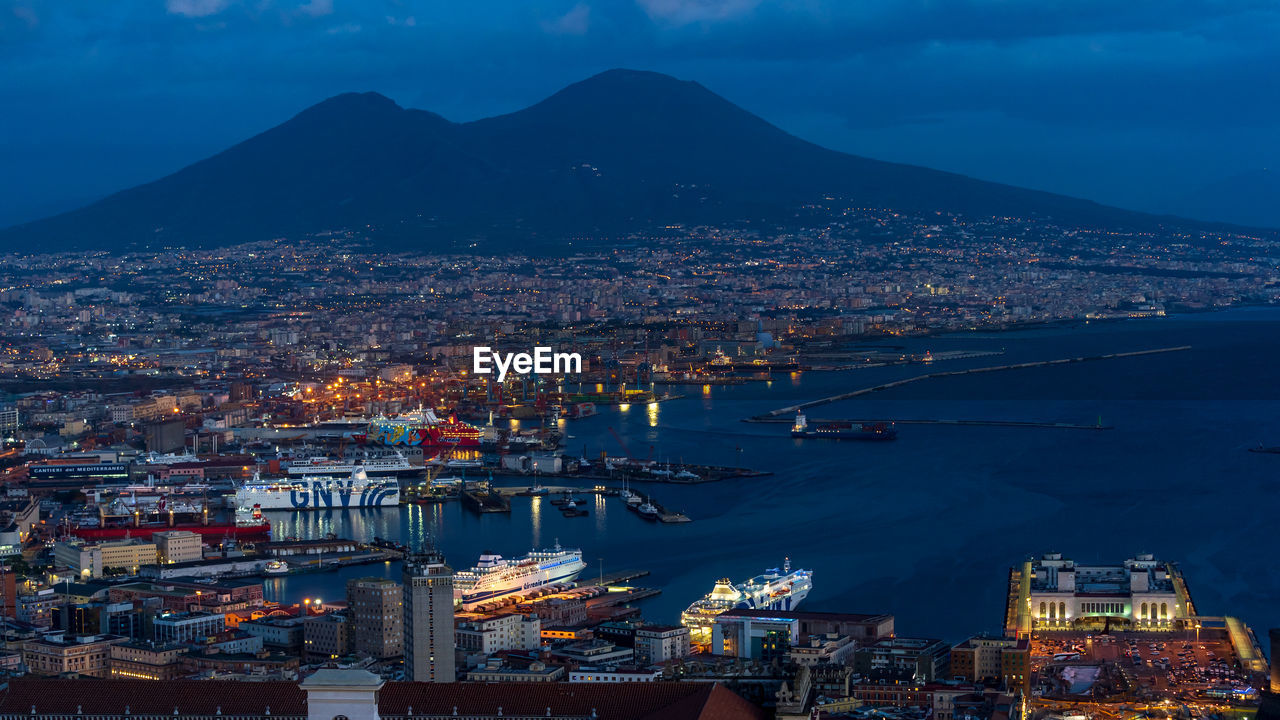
<point x="421" y="429"/>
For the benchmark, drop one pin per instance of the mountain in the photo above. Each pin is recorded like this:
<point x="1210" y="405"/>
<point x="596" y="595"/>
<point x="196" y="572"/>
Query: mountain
<point x="1247" y="198"/>
<point x="622" y="150"/>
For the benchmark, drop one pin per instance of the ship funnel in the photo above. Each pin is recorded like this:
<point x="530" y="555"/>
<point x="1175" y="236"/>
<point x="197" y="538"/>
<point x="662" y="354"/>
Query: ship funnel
<point x="786" y="565"/>
<point x="801" y="421"/>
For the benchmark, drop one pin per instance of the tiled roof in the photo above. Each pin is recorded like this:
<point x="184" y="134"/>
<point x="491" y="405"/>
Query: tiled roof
<point x="620" y="701"/>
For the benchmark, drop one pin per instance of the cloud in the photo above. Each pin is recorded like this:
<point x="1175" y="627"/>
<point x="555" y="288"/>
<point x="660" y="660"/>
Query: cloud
<point x="574" y="22"/>
<point x="196" y="8"/>
<point x="316" y="8"/>
<point x="685" y="12"/>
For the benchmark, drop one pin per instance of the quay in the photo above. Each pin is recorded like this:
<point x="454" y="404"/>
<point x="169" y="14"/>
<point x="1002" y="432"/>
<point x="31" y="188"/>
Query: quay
<point x="939" y="421"/>
<point x="792" y="409"/>
<point x="485" y="500"/>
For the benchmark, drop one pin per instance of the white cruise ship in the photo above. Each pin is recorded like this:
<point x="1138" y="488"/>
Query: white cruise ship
<point x="391" y="465"/>
<point x="357" y="490"/>
<point x="773" y="590"/>
<point x="495" y="578"/>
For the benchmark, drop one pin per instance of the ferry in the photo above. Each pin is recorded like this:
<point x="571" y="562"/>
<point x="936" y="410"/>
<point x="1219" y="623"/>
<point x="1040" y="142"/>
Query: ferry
<point x="319" y="492"/>
<point x="421" y="429"/>
<point x="772" y="590"/>
<point x="391" y="466"/>
<point x="495" y="579"/>
<point x="843" y="430"/>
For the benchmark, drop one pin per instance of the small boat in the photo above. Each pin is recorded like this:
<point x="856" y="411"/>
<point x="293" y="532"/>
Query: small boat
<point x="648" y="511"/>
<point x="571" y="509"/>
<point x="275" y="567"/>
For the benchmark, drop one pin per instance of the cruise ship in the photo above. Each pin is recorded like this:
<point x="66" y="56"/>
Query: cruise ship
<point x="495" y="578"/>
<point x="393" y="466"/>
<point x="773" y="590"/>
<point x="357" y="490"/>
<point x="421" y="429"/>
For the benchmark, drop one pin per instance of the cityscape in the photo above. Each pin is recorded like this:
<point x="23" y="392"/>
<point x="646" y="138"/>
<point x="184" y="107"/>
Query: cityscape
<point x="816" y="435"/>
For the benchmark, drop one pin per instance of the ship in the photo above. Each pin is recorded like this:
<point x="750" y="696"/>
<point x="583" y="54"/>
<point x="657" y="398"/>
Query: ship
<point x="319" y="492"/>
<point x="495" y="579"/>
<point x="421" y="429"/>
<point x="248" y="524"/>
<point x="842" y="430"/>
<point x="774" y="590"/>
<point x="390" y="466"/>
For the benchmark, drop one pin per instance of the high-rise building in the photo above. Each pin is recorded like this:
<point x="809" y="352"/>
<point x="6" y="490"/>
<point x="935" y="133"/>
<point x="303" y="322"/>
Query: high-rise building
<point x="428" y="619"/>
<point x="1003" y="660"/>
<point x="377" y="617"/>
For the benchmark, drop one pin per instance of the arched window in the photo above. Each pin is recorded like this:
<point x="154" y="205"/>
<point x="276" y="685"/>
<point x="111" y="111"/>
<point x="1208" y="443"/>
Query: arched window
<point x="1164" y="611"/>
<point x="1143" y="614"/>
<point x="1062" y="610"/>
<point x="1043" y="612"/>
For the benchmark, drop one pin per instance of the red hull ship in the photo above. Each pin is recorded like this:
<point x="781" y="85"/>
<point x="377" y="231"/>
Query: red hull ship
<point x="421" y="429"/>
<point x="144" y="532"/>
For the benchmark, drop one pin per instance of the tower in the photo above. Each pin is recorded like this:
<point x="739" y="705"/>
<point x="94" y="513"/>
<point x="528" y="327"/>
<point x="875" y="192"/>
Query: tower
<point x="428" y="618"/>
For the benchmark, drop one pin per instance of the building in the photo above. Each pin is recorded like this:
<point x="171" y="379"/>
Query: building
<point x="1054" y="593"/>
<point x="55" y="654"/>
<point x="428" y="619"/>
<point x="620" y="675"/>
<point x="166" y="436"/>
<point x="8" y="421"/>
<point x="97" y="560"/>
<point x="509" y="631"/>
<point x="660" y="643"/>
<point x="534" y="672"/>
<point x="766" y="634"/>
<point x="186" y="627"/>
<point x="327" y="637"/>
<point x="376" y="609"/>
<point x="1006" y="661"/>
<point x="178" y="546"/>
<point x="146" y="660"/>
<point x="920" y="659"/>
<point x="282" y="633"/>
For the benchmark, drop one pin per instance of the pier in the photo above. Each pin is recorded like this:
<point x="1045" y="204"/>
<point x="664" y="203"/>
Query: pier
<point x="939" y="421"/>
<point x="792" y="409"/>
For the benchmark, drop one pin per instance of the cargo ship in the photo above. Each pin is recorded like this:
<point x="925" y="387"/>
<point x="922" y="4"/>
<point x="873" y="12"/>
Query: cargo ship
<point x="495" y="579"/>
<point x="421" y="429"/>
<point x="319" y="492"/>
<point x="773" y="590"/>
<point x="843" y="430"/>
<point x="248" y="524"/>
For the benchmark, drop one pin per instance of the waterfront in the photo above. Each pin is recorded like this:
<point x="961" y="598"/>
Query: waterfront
<point x="927" y="526"/>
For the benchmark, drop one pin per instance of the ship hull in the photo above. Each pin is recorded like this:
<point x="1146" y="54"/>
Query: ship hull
<point x="478" y="586"/>
<point x="850" y="434"/>
<point x="145" y="532"/>
<point x="316" y="494"/>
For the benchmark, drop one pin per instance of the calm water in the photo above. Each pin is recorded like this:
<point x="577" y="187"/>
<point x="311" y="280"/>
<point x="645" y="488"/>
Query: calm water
<point x="927" y="527"/>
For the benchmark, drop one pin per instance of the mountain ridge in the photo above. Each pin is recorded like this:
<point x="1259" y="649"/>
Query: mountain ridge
<point x="620" y="151"/>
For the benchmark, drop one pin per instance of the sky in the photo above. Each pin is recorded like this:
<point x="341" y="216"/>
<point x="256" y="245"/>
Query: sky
<point x="1134" y="103"/>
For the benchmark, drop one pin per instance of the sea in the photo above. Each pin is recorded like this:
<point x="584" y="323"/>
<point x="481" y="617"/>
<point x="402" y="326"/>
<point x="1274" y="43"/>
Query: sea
<point x="926" y="527"/>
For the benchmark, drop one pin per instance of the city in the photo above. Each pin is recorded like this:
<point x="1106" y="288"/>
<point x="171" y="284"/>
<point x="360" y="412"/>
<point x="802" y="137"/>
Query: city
<point x="639" y="360"/>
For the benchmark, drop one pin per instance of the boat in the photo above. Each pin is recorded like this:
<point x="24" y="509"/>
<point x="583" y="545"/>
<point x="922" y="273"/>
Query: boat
<point x="571" y="509"/>
<point x="495" y="578"/>
<point x="775" y="589"/>
<point x="390" y="466"/>
<point x="320" y="492"/>
<point x="648" y="511"/>
<point x="841" y="430"/>
<point x="275" y="567"/>
<point x="247" y="524"/>
<point x="422" y="429"/>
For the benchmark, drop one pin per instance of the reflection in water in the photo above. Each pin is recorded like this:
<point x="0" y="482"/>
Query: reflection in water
<point x="653" y="414"/>
<point x="536" y="511"/>
<point x="601" y="520"/>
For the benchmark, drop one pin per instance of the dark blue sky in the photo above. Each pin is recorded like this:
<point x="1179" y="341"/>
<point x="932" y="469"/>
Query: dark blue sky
<point x="1131" y="102"/>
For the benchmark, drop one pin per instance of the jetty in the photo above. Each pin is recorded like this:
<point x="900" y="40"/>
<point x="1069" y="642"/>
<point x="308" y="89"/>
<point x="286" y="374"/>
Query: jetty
<point x="793" y="409"/>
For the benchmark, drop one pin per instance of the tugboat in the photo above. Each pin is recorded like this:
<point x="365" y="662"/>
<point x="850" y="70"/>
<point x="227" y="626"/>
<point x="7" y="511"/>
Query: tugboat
<point x="571" y="509"/>
<point x="843" y="430"/>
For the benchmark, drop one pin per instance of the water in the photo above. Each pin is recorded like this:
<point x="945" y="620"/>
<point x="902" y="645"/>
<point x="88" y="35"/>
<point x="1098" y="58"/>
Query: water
<point x="927" y="527"/>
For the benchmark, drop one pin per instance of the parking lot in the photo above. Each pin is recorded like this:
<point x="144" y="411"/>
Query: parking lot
<point x="1186" y="666"/>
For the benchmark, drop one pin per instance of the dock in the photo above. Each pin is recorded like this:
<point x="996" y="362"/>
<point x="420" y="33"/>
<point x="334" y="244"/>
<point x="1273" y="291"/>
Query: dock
<point x="793" y="409"/>
<point x="940" y="421"/>
<point x="483" y="500"/>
